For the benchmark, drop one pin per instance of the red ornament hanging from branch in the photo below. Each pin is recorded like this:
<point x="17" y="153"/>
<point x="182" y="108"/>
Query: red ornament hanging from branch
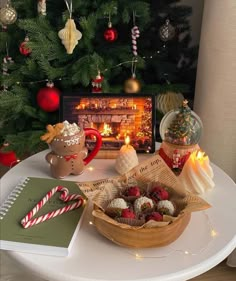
<point x="48" y="98"/>
<point x="8" y="158"/>
<point x="24" y="49"/>
<point x="110" y="34"/>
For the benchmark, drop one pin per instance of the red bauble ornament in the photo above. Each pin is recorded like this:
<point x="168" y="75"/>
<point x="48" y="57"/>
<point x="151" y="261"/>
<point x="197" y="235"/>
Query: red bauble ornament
<point x="48" y="98"/>
<point x="8" y="158"/>
<point x="110" y="34"/>
<point x="24" y="50"/>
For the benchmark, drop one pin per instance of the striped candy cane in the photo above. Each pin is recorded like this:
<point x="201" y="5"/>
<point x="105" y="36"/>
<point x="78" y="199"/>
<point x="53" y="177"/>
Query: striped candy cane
<point x="6" y="60"/>
<point x="42" y="7"/>
<point x="135" y="34"/>
<point x="28" y="220"/>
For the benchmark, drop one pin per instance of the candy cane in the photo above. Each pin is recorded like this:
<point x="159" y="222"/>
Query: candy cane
<point x="28" y="220"/>
<point x="4" y="67"/>
<point x="42" y="7"/>
<point x="135" y="34"/>
<point x="6" y="61"/>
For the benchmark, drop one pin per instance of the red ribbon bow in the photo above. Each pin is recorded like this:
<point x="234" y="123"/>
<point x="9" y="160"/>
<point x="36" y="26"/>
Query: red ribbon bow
<point x="68" y="157"/>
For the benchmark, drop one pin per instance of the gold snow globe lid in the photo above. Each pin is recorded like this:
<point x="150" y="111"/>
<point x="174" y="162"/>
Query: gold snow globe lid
<point x="181" y="126"/>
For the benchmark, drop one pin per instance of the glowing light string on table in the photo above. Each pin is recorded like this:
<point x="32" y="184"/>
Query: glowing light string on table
<point x="140" y="255"/>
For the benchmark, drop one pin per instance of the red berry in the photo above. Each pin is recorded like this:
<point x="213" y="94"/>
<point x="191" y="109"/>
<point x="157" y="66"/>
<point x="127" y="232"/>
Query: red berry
<point x="159" y="193"/>
<point x="127" y="213"/>
<point x="145" y="206"/>
<point x="156" y="216"/>
<point x="134" y="191"/>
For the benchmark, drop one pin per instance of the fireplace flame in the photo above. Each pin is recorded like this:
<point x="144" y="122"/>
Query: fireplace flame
<point x="107" y="130"/>
<point x="127" y="140"/>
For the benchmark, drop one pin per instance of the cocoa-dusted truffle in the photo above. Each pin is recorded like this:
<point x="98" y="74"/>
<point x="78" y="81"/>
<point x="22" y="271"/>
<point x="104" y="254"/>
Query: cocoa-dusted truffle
<point x="142" y="204"/>
<point x="166" y="207"/>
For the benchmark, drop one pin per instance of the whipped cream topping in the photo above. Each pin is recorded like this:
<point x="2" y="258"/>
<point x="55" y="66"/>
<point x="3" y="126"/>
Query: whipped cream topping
<point x="70" y="129"/>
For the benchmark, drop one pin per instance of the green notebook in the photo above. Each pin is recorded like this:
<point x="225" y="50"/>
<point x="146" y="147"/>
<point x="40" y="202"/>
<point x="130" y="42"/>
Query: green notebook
<point x="51" y="237"/>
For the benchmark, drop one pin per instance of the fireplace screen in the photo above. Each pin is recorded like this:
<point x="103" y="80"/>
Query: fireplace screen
<point x="115" y="117"/>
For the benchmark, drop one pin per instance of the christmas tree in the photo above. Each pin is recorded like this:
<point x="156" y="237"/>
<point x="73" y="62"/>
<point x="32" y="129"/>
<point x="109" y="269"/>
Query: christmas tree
<point x="113" y="41"/>
<point x="146" y="120"/>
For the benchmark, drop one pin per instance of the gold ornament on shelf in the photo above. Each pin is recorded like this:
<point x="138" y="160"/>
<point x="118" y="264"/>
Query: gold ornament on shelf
<point x="168" y="101"/>
<point x="8" y="14"/>
<point x="132" y="86"/>
<point x="70" y="36"/>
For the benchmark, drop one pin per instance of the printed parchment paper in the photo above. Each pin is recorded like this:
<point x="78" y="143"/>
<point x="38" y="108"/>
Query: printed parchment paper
<point x="153" y="170"/>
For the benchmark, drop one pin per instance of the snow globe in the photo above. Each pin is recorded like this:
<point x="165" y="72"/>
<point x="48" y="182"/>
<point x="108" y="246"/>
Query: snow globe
<point x="180" y="130"/>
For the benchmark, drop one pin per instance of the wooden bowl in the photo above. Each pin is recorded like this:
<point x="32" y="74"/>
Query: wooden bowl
<point x="143" y="237"/>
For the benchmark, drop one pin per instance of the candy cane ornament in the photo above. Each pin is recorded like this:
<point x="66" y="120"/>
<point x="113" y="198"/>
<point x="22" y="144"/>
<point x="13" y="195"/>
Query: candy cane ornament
<point x="29" y="221"/>
<point x="42" y="7"/>
<point x="6" y="61"/>
<point x="135" y="34"/>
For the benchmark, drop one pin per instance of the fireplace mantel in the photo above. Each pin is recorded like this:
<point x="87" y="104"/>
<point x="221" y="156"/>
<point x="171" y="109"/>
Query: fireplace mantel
<point x="106" y="111"/>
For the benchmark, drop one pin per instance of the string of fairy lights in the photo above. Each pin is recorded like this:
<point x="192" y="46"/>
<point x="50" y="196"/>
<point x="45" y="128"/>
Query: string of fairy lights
<point x="133" y="61"/>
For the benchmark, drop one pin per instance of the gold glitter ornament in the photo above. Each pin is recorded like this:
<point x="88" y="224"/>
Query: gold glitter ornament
<point x="168" y="101"/>
<point x="8" y="15"/>
<point x="132" y="85"/>
<point x="70" y="36"/>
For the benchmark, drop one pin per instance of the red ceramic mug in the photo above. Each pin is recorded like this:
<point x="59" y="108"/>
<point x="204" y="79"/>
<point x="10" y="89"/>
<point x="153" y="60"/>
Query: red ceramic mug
<point x="98" y="144"/>
<point x="69" y="155"/>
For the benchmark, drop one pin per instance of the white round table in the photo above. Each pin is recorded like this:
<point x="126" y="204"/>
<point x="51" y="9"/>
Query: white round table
<point x="208" y="239"/>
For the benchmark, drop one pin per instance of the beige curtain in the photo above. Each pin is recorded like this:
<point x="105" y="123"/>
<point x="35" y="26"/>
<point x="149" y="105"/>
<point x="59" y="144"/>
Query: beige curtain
<point x="215" y="95"/>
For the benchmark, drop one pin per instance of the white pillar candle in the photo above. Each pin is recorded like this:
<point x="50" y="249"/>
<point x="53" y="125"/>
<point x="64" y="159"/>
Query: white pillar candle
<point x="127" y="158"/>
<point x="197" y="174"/>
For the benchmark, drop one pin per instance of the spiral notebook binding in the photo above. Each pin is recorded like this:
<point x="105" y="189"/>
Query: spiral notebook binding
<point x="10" y="200"/>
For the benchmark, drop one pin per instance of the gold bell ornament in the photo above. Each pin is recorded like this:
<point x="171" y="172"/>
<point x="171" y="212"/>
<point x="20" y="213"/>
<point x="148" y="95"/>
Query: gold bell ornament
<point x="70" y="35"/>
<point x="132" y="85"/>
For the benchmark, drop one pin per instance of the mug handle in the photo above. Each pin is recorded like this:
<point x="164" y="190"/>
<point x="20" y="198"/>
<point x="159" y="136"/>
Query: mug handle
<point x="92" y="154"/>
